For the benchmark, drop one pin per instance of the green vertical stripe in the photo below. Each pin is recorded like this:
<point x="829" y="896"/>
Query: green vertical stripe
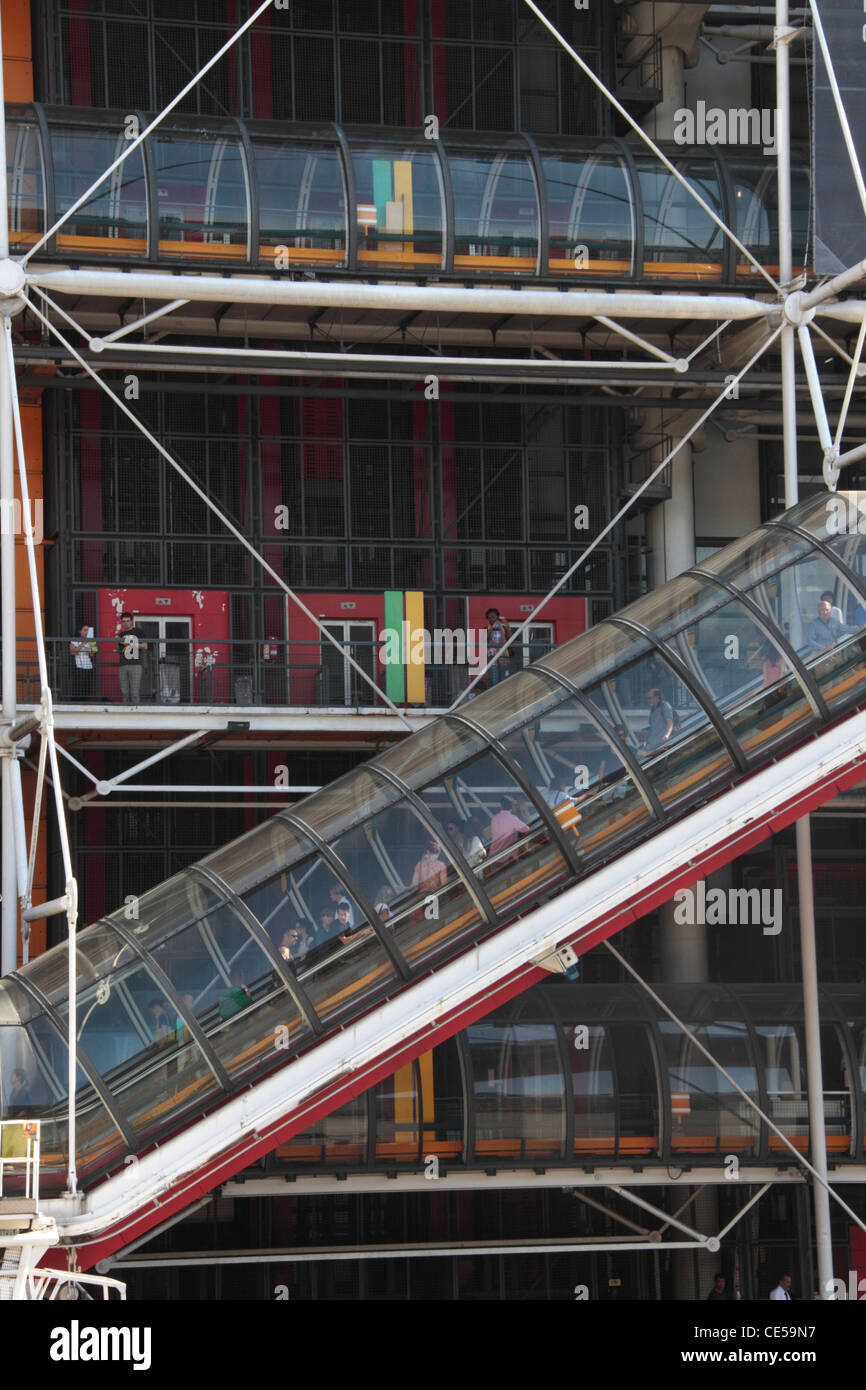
<point x="395" y="672"/>
<point x="381" y="189"/>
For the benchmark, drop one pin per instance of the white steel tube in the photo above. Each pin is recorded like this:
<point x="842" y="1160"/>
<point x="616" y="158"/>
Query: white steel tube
<point x="454" y="299"/>
<point x="815" y="1085"/>
<point x="815" y="387"/>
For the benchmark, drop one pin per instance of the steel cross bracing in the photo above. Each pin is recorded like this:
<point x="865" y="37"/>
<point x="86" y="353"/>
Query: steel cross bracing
<point x="787" y="310"/>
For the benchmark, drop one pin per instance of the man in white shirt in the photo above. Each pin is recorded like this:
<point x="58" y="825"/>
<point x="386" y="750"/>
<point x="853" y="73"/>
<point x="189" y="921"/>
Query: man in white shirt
<point x="782" y="1292"/>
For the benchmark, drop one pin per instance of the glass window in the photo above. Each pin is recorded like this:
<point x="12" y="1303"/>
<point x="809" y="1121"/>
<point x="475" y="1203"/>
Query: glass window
<point x="399" y="211"/>
<point x="591" y="213"/>
<point x="442" y="1100"/>
<point x="839" y="520"/>
<point x="518" y="1090"/>
<point x="201" y="193"/>
<point x="708" y="1115"/>
<point x="225" y="980"/>
<point x="599" y="651"/>
<point x="408" y="874"/>
<point x="257" y="855"/>
<point x="432" y="751"/>
<point x="398" y="1117"/>
<point x="344" y="803"/>
<point x="580" y="775"/>
<point x="335" y="954"/>
<point x="162" y="911"/>
<point x="113" y="221"/>
<point x="25" y="184"/>
<point x="757" y="209"/>
<point x="302" y="202"/>
<point x="495" y="211"/>
<point x="39" y="1089"/>
<point x="504" y="840"/>
<point x="339" y="1138"/>
<point x="822" y="616"/>
<point x="511" y="703"/>
<point x="652" y="709"/>
<point x="746" y="675"/>
<point x="783" y="1058"/>
<point x="755" y="558"/>
<point x="128" y="1030"/>
<point x="593" y="1092"/>
<point x="680" y="238"/>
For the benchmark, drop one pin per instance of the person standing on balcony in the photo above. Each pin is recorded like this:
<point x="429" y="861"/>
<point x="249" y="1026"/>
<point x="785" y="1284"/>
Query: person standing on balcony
<point x="83" y="649"/>
<point x="498" y="633"/>
<point x="130" y="646"/>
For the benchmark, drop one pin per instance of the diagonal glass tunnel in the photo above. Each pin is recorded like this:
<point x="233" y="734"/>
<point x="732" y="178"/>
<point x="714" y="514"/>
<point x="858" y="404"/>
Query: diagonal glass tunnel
<point x="234" y="966"/>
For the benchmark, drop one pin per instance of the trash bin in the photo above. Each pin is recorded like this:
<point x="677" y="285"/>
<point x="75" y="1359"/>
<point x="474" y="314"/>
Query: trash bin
<point x="243" y="690"/>
<point x="169" y="683"/>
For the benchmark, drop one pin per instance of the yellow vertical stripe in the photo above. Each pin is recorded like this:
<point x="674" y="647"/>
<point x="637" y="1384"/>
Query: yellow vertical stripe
<point x="428" y="1099"/>
<point x="415" y="664"/>
<point x="403" y="191"/>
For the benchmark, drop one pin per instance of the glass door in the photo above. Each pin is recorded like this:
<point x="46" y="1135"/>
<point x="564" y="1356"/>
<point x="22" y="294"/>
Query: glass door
<point x="341" y="684"/>
<point x="166" y="677"/>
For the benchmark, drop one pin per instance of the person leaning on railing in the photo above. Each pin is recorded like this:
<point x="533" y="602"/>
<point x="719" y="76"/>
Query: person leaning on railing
<point x="83" y="650"/>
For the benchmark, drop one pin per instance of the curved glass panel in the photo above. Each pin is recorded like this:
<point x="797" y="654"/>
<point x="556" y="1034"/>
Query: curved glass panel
<point x="255" y="856"/>
<point x="680" y="238"/>
<point x="25" y="180"/>
<point x="756" y="557"/>
<point x="129" y="1032"/>
<point x="591" y="213"/>
<point x="346" y="802"/>
<point x="658" y="717"/>
<point x="506" y="843"/>
<point x="202" y="194"/>
<point x="113" y="221"/>
<point x="302" y="200"/>
<point x="757" y="212"/>
<point x="593" y="1087"/>
<point x="322" y="935"/>
<point x="838" y="519"/>
<point x="225" y="981"/>
<point x="165" y="909"/>
<point x="708" y="1115"/>
<point x="783" y="1058"/>
<point x="431" y="752"/>
<point x="595" y="654"/>
<point x="746" y="675"/>
<point x="495" y="210"/>
<point x="822" y="615"/>
<point x="519" y="1093"/>
<point x="400" y="205"/>
<point x="582" y="778"/>
<point x="406" y="871"/>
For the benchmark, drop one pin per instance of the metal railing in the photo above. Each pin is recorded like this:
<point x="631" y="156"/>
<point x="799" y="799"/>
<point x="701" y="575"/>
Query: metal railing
<point x="19" y="1152"/>
<point x="223" y="672"/>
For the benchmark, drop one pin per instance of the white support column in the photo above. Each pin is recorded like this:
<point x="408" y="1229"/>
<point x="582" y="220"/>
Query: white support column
<point x="9" y="910"/>
<point x="805" y="884"/>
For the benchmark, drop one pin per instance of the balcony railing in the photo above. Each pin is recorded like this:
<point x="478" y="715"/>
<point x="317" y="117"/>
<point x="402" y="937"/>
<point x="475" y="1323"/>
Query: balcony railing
<point x="220" y="672"/>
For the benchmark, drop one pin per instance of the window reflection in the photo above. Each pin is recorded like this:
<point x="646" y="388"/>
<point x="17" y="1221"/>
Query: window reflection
<point x="680" y="238"/>
<point x="302" y="202"/>
<point x="25" y="184"/>
<point x="202" y="194"/>
<point x="495" y="211"/>
<point x="589" y="204"/>
<point x="708" y="1115"/>
<point x="113" y="220"/>
<point x="399" y="211"/>
<point x="519" y="1096"/>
